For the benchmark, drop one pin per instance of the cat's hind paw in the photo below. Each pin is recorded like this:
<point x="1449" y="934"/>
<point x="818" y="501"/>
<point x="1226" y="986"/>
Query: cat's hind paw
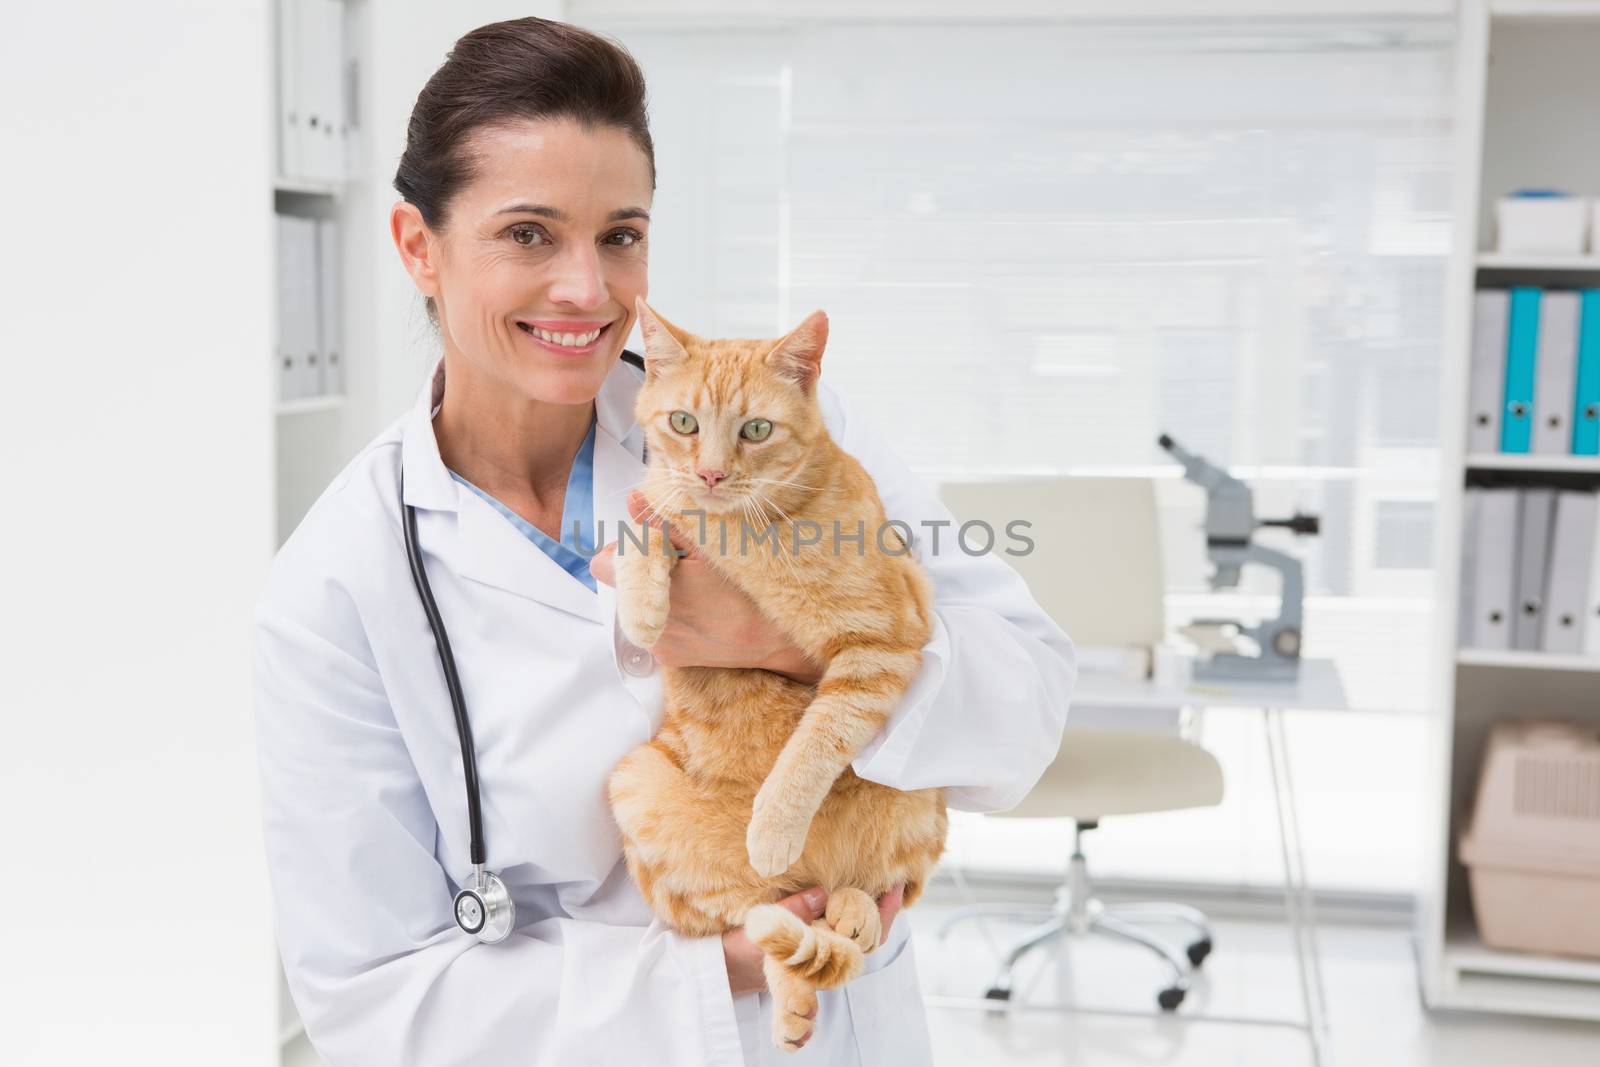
<point x="853" y="914"/>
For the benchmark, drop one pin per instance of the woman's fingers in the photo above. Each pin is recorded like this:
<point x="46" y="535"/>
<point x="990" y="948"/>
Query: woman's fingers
<point x="889" y="907"/>
<point x="639" y="508"/>
<point x="603" y="564"/>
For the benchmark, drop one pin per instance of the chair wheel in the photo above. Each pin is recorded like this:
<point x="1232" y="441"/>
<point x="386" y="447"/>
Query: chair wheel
<point x="1169" y="999"/>
<point x="997" y="994"/>
<point x="1199" y="951"/>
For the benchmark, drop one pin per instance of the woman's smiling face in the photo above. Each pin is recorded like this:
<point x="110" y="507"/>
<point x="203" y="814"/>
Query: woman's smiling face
<point x="544" y="244"/>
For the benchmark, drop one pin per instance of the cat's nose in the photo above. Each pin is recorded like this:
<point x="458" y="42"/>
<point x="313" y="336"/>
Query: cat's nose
<point x="711" y="478"/>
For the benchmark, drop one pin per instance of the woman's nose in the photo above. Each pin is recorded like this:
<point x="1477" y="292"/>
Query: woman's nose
<point x="579" y="280"/>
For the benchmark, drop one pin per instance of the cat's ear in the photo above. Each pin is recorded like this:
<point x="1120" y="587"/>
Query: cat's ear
<point x="798" y="356"/>
<point x="664" y="343"/>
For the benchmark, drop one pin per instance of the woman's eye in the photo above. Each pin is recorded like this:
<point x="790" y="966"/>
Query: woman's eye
<point x="755" y="430"/>
<point x="529" y="236"/>
<point x="684" y="422"/>
<point x="630" y="237"/>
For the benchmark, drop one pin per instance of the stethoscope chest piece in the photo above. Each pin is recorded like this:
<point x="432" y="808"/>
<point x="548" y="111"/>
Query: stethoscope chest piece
<point x="484" y="909"/>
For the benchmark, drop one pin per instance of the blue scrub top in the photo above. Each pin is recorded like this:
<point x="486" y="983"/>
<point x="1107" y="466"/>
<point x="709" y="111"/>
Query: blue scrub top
<point x="573" y="551"/>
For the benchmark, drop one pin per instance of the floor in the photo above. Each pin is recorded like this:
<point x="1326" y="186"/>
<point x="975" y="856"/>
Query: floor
<point x="1376" y="1016"/>
<point x="1375" y="1013"/>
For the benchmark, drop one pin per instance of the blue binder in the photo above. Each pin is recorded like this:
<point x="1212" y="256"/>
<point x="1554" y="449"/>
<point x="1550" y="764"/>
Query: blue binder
<point x="1586" y="410"/>
<point x="1522" y="353"/>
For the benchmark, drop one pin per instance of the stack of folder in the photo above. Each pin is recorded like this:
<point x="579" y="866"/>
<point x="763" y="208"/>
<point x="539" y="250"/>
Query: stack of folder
<point x="1530" y="576"/>
<point x="1535" y="372"/>
<point x="307" y="352"/>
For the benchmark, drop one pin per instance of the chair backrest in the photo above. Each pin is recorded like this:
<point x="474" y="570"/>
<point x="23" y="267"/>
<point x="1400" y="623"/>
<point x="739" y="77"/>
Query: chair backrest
<point x="1095" y="565"/>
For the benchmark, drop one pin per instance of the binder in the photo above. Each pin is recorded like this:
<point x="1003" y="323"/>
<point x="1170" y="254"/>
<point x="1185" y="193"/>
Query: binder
<point x="291" y="152"/>
<point x="1487" y="583"/>
<point x="1586" y="406"/>
<point x="1556" y="373"/>
<point x="1522" y="352"/>
<point x="1467" y="614"/>
<point x="1491" y="307"/>
<point x="309" y="350"/>
<point x="283" y="350"/>
<point x="297" y="307"/>
<point x="1532" y="566"/>
<point x="311" y="120"/>
<point x="321" y="79"/>
<point x="1571" y="557"/>
<point x="329" y="319"/>
<point x="1591" y="622"/>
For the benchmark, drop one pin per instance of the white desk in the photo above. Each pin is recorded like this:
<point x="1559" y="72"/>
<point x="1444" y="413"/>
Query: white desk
<point x="1318" y="688"/>
<point x="1106" y="700"/>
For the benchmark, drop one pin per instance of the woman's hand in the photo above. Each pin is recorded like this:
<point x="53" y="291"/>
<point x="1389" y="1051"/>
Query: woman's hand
<point x="710" y="621"/>
<point x="743" y="958"/>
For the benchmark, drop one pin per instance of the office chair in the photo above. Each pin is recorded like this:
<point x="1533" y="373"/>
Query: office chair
<point x="1096" y="569"/>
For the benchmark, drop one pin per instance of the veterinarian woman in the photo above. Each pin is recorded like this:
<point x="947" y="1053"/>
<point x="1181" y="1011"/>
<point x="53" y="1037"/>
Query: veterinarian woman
<point x="526" y="186"/>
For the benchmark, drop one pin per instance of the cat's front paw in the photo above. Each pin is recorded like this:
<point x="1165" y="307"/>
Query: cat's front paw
<point x="775" y="838"/>
<point x="643" y="626"/>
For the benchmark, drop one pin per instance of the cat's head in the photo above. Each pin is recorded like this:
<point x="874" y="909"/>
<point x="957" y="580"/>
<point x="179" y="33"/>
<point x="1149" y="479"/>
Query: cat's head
<point x="728" y="421"/>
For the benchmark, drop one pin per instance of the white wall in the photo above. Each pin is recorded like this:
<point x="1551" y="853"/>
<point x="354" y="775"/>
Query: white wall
<point x="137" y="473"/>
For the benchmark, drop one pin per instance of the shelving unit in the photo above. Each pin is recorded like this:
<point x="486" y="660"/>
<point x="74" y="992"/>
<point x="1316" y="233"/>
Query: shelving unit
<point x="1526" y="89"/>
<point x="316" y="160"/>
<point x="316" y="44"/>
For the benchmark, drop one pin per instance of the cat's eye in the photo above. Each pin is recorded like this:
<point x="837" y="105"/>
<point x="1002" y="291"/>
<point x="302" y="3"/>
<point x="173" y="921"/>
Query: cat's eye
<point x="683" y="422"/>
<point x="755" y="430"/>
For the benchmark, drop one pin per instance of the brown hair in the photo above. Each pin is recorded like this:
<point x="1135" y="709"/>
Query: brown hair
<point x="522" y="69"/>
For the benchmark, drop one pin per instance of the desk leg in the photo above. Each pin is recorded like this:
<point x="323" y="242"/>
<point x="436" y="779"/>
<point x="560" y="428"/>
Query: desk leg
<point x="1296" y="890"/>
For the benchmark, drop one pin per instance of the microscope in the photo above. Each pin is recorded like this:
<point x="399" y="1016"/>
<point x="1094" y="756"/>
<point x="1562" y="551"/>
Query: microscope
<point x="1230" y="520"/>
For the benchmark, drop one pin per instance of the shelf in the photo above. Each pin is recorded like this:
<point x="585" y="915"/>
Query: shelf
<point x="307" y="186"/>
<point x="1537" y="261"/>
<point x="1492" y="461"/>
<point x="309" y="404"/>
<point x="1489" y="979"/>
<point x="1531" y="661"/>
<point x="1578" y="10"/>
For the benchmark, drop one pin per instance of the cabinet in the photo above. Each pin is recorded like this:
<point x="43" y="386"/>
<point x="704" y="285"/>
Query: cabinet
<point x="1528" y="77"/>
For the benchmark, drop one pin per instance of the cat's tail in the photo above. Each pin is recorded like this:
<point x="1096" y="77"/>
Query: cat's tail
<point x="810" y="951"/>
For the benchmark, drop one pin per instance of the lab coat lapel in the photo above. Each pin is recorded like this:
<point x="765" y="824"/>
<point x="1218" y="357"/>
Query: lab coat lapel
<point x="618" y="448"/>
<point x="487" y="548"/>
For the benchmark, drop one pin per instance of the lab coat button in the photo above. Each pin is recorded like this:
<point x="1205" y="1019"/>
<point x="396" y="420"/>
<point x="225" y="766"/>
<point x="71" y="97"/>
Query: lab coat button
<point x="637" y="662"/>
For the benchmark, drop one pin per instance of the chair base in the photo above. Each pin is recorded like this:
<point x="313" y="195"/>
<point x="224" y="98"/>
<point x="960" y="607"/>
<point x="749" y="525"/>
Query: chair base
<point x="1077" y="912"/>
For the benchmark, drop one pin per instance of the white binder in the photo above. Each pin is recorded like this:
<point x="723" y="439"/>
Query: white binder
<point x="1532" y="566"/>
<point x="1557" y="365"/>
<point x="1591" y="622"/>
<point x="291" y="150"/>
<point x="1491" y="310"/>
<point x="1487" y="582"/>
<point x="297" y="305"/>
<point x="306" y="283"/>
<point x="311" y="121"/>
<point x="329" y="318"/>
<point x="321" y="74"/>
<point x="1571" y="549"/>
<point x="283" y="350"/>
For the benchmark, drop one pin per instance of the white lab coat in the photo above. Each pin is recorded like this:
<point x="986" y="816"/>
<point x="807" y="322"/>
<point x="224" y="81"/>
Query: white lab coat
<point x="365" y="808"/>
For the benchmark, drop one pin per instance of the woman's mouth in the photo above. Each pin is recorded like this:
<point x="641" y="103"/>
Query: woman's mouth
<point x="569" y="342"/>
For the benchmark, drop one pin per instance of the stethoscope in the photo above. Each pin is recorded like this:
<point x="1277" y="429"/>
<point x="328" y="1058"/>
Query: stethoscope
<point x="483" y="908"/>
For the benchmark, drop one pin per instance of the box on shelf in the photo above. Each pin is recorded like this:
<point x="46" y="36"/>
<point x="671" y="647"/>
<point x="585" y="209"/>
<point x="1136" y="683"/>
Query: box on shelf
<point x="1542" y="222"/>
<point x="1532" y="849"/>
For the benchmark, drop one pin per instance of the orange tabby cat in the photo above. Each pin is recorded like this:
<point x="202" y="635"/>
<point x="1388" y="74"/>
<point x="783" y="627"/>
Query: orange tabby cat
<point x="746" y="795"/>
